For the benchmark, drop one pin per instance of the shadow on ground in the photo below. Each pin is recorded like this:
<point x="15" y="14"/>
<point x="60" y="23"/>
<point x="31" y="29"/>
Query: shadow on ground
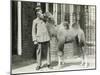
<point x="18" y="61"/>
<point x="55" y="63"/>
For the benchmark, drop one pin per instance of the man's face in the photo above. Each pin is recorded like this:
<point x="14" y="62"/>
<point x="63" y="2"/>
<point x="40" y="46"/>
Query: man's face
<point x="40" y="11"/>
<point x="39" y="14"/>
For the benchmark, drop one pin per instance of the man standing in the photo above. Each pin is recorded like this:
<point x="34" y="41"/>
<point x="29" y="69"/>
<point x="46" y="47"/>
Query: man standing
<point x="40" y="36"/>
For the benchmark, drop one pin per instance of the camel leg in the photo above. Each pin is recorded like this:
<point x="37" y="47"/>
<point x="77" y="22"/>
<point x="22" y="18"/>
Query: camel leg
<point x="85" y="61"/>
<point x="84" y="58"/>
<point x="60" y="54"/>
<point x="59" y="61"/>
<point x="62" y="60"/>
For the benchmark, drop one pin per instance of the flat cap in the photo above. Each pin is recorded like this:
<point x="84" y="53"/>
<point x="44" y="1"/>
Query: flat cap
<point x="38" y="8"/>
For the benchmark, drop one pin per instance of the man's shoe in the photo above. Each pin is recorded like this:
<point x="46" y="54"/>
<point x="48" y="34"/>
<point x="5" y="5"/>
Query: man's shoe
<point x="49" y="66"/>
<point x="38" y="67"/>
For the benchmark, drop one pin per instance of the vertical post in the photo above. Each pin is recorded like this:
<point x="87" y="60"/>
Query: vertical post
<point x="86" y="15"/>
<point x="78" y="14"/>
<point x="47" y="7"/>
<point x="86" y="24"/>
<point x="71" y="15"/>
<point x="55" y="12"/>
<point x="62" y="12"/>
<point x="38" y="4"/>
<point x="19" y="29"/>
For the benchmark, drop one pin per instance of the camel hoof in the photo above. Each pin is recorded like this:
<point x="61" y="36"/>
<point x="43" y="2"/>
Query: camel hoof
<point x="85" y="65"/>
<point x="62" y="63"/>
<point x="59" y="67"/>
<point x="82" y="64"/>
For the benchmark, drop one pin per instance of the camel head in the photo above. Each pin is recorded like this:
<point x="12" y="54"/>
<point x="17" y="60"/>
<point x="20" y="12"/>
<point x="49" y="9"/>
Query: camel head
<point x="76" y="25"/>
<point x="49" y="17"/>
<point x="66" y="25"/>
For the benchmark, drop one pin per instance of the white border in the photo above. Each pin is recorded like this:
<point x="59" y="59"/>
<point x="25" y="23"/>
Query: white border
<point x="82" y="2"/>
<point x="5" y="41"/>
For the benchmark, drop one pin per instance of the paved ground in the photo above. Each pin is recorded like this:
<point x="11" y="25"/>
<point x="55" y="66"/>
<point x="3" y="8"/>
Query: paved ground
<point x="23" y="65"/>
<point x="70" y="64"/>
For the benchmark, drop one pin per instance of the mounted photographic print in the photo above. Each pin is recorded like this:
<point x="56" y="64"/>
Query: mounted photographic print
<point x="52" y="37"/>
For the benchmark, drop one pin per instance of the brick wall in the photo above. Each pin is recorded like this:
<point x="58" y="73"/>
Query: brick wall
<point x="28" y="14"/>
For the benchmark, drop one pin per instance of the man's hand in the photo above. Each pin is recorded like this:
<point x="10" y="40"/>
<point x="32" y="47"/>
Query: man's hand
<point x="35" y="42"/>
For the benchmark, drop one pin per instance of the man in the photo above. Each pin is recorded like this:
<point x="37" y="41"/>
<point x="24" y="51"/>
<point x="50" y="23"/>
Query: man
<point x="40" y="36"/>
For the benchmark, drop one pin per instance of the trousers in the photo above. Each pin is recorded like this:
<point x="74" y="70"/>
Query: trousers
<point x="39" y="52"/>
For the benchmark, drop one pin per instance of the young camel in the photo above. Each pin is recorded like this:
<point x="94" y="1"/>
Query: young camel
<point x="64" y="34"/>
